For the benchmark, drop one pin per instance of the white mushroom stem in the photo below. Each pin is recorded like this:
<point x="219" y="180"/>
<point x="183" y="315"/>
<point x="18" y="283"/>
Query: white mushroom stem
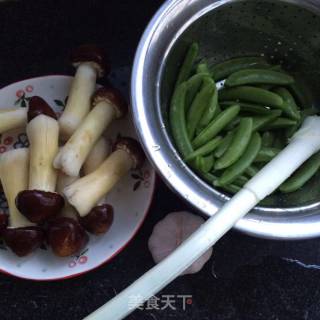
<point x="97" y="155"/>
<point x="14" y="174"/>
<point x="63" y="181"/>
<point x="79" y="99"/>
<point x="85" y="193"/>
<point x="74" y="153"/>
<point x="12" y="119"/>
<point x="43" y="134"/>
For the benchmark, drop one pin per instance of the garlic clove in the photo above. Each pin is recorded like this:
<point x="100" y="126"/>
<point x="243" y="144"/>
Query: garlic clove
<point x="170" y="232"/>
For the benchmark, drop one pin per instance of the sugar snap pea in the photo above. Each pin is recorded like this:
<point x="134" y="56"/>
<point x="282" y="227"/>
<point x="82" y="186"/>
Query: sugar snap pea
<point x="238" y="145"/>
<point x="211" y="110"/>
<point x="300" y="95"/>
<point x="302" y="175"/>
<point x="241" y="181"/>
<point x="247" y="107"/>
<point x="252" y="94"/>
<point x="224" y="145"/>
<point x="280" y="140"/>
<point x="290" y="107"/>
<point x="193" y="86"/>
<point x="239" y="167"/>
<point x="231" y="188"/>
<point x="198" y="106"/>
<point x="251" y="171"/>
<point x="268" y="139"/>
<point x="178" y="121"/>
<point x="203" y="68"/>
<point x="206" y="149"/>
<point x="260" y="121"/>
<point x="258" y="76"/>
<point x="205" y="164"/>
<point x="235" y="122"/>
<point x="266" y="154"/>
<point x="216" y="126"/>
<point x="208" y="177"/>
<point x="186" y="68"/>
<point x="223" y="70"/>
<point x="279" y="123"/>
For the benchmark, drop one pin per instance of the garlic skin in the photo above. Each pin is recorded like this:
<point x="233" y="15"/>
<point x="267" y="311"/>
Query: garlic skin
<point x="170" y="232"/>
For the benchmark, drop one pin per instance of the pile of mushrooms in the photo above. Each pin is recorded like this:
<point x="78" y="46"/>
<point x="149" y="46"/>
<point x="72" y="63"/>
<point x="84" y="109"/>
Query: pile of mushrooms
<point x="56" y="189"/>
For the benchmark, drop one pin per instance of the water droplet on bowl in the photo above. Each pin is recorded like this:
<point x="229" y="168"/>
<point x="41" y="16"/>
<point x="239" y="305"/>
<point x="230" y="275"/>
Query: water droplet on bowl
<point x="155" y="148"/>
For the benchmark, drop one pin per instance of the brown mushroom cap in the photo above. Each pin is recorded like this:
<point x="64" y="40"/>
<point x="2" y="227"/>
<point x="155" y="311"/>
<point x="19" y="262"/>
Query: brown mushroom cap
<point x="23" y="241"/>
<point x="38" y="106"/>
<point x="3" y="222"/>
<point x="38" y="206"/>
<point x="111" y="96"/>
<point x="92" y="54"/>
<point x="66" y="236"/>
<point x="133" y="148"/>
<point x="98" y="220"/>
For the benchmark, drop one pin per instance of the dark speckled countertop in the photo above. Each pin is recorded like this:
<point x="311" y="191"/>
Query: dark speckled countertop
<point x="246" y="279"/>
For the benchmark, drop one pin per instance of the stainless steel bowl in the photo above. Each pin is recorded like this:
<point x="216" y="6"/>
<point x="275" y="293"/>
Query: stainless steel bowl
<point x="286" y="31"/>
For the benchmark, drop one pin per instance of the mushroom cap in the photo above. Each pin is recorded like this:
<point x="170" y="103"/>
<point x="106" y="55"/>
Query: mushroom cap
<point x="38" y="206"/>
<point x="111" y="96"/>
<point x="66" y="236"/>
<point x="38" y="106"/>
<point x="23" y="241"/>
<point x="133" y="148"/>
<point x="93" y="55"/>
<point x="3" y="222"/>
<point x="98" y="220"/>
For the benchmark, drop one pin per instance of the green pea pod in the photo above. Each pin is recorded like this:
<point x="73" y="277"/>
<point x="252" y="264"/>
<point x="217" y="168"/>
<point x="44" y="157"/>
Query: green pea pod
<point x="194" y="85"/>
<point x="239" y="167"/>
<point x="268" y="139"/>
<point x="211" y="110"/>
<point x="187" y="65"/>
<point x="248" y="107"/>
<point x="251" y="171"/>
<point x="266" y="154"/>
<point x="259" y="122"/>
<point x="206" y="163"/>
<point x="198" y="107"/>
<point x="178" y="121"/>
<point x="223" y="70"/>
<point x="208" y="177"/>
<point x="238" y="145"/>
<point x="232" y="125"/>
<point x="203" y="68"/>
<point x="265" y="86"/>
<point x="252" y="94"/>
<point x="279" y="123"/>
<point x="224" y="145"/>
<point x="301" y="97"/>
<point x="241" y="181"/>
<point x="280" y="141"/>
<point x="231" y="188"/>
<point x="302" y="175"/>
<point x="205" y="149"/>
<point x="258" y="76"/>
<point x="216" y="126"/>
<point x="290" y="107"/>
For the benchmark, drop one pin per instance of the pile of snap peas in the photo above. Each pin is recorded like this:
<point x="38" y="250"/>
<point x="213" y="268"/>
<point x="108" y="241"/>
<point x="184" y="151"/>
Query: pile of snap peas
<point x="227" y="135"/>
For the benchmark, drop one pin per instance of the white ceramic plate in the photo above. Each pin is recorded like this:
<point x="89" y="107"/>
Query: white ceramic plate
<point x="130" y="198"/>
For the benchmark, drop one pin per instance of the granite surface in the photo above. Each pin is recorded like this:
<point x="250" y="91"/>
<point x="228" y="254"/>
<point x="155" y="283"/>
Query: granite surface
<point x="246" y="279"/>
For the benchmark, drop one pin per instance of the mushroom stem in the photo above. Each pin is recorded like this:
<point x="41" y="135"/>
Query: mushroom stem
<point x="79" y="99"/>
<point x="43" y="134"/>
<point x="12" y="119"/>
<point x="14" y="170"/>
<point x="84" y="193"/>
<point x="74" y="153"/>
<point x="97" y="155"/>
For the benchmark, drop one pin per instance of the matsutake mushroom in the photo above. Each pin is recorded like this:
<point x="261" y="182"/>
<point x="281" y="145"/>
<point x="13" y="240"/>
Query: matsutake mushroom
<point x="90" y="62"/>
<point x="85" y="193"/>
<point x="40" y="201"/>
<point x="108" y="104"/>
<point x="97" y="155"/>
<point x="12" y="118"/>
<point x="21" y="236"/>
